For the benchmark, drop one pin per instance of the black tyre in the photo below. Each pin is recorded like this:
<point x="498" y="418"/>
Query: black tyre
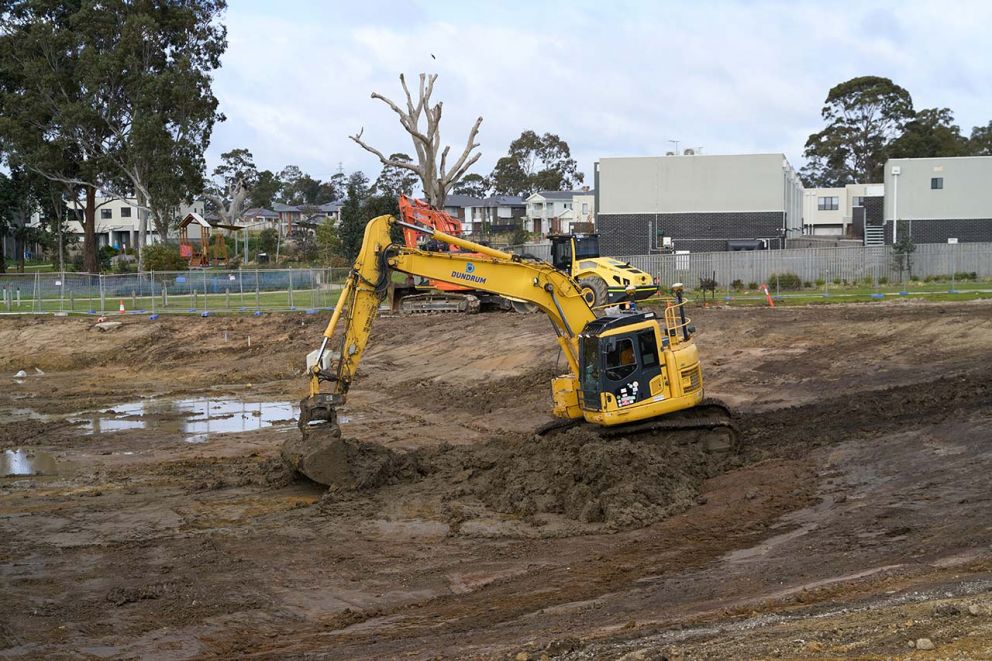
<point x="594" y="290"/>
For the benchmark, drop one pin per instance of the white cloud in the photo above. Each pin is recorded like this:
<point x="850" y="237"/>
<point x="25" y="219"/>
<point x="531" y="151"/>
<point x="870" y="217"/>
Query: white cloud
<point x="611" y="79"/>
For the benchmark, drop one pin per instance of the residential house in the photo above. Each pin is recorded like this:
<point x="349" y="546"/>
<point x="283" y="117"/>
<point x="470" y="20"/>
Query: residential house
<point x="498" y="214"/>
<point x="465" y="208"/>
<point x="258" y="218"/>
<point x="696" y="203"/>
<point x="556" y="212"/>
<point x="288" y="215"/>
<point x="116" y="223"/>
<point x="840" y="212"/>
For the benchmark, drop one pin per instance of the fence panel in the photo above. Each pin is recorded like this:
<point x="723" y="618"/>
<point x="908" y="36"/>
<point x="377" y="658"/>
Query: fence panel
<point x="194" y="291"/>
<point x="861" y="264"/>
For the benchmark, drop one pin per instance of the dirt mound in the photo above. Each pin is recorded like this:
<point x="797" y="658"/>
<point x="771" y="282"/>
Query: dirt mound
<point x="625" y="483"/>
<point x="622" y="483"/>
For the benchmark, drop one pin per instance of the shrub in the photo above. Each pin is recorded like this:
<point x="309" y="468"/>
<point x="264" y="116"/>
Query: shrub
<point x="914" y="278"/>
<point x="844" y="282"/>
<point x="883" y="280"/>
<point x="961" y="275"/>
<point x="268" y="240"/>
<point x="820" y="282"/>
<point x="837" y="281"/>
<point x="752" y="285"/>
<point x="163" y="257"/>
<point x="785" y="281"/>
<point x="737" y="284"/>
<point x="807" y="284"/>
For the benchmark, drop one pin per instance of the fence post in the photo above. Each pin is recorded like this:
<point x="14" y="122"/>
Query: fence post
<point x="227" y="298"/>
<point x="241" y="286"/>
<point x="165" y="295"/>
<point x="36" y="302"/>
<point x="258" y="297"/>
<point x="291" y="306"/>
<point x="204" y="291"/>
<point x="103" y="295"/>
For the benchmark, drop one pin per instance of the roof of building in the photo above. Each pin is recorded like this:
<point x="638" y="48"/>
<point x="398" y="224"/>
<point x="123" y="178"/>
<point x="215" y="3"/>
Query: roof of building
<point x="279" y="207"/>
<point x="260" y="212"/>
<point x="504" y="201"/>
<point x="562" y="194"/>
<point x="456" y="200"/>
<point x="330" y="207"/>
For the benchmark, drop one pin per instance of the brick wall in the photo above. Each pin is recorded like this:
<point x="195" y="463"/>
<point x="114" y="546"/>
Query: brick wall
<point x="631" y="234"/>
<point x="938" y="231"/>
<point x="874" y="209"/>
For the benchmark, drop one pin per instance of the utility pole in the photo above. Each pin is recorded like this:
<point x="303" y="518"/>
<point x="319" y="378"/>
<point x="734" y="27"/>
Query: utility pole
<point x="676" y="143"/>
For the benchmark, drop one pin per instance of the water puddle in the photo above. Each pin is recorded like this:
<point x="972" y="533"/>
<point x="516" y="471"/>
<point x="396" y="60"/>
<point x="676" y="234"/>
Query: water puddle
<point x="194" y="419"/>
<point x="26" y="462"/>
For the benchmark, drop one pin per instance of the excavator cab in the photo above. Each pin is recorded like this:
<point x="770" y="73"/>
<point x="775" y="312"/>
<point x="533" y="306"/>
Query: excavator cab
<point x="637" y="366"/>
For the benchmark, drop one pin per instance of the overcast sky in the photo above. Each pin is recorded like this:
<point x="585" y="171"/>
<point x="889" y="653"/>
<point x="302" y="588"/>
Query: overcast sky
<point x="611" y="78"/>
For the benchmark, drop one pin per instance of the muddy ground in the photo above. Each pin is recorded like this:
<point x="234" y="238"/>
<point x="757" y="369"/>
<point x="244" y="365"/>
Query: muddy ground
<point x="855" y="522"/>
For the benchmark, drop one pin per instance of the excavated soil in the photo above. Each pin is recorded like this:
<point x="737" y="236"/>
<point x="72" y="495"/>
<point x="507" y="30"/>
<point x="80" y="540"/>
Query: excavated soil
<point x="572" y="477"/>
<point x="852" y="523"/>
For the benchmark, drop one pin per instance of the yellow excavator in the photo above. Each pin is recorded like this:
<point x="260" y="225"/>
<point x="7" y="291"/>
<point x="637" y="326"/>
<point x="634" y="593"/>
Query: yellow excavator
<point x="629" y="371"/>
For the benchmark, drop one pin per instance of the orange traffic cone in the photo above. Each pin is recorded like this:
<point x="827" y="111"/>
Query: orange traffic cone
<point x="122" y="306"/>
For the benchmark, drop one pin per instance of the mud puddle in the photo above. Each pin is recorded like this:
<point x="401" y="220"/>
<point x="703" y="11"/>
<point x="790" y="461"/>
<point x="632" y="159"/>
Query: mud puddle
<point x="15" y="463"/>
<point x="194" y="419"/>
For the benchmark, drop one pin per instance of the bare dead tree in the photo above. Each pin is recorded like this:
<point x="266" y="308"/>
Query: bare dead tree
<point x="231" y="201"/>
<point x="432" y="162"/>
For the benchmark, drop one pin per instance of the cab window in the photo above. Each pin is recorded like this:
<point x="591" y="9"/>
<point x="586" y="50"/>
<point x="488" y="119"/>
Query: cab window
<point x="649" y="348"/>
<point x="589" y="351"/>
<point x="586" y="246"/>
<point x="620" y="359"/>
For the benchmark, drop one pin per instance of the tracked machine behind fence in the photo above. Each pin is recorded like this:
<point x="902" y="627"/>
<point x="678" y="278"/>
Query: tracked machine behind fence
<point x="432" y="295"/>
<point x="629" y="372"/>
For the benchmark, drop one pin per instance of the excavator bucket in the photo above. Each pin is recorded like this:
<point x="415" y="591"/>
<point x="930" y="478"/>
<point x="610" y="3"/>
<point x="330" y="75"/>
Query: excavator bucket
<point x="318" y="452"/>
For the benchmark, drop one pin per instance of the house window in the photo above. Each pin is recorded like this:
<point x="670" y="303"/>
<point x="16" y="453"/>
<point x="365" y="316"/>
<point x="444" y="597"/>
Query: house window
<point x="937" y="183"/>
<point x="857" y="201"/>
<point x="125" y="212"/>
<point x="106" y="214"/>
<point x="585" y="207"/>
<point x="828" y="203"/>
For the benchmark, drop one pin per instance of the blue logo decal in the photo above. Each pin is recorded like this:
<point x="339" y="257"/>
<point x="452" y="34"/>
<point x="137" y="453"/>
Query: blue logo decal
<point x="470" y="267"/>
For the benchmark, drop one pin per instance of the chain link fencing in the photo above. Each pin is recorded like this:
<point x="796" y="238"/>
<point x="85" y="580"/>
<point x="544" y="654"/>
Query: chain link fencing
<point x="189" y="292"/>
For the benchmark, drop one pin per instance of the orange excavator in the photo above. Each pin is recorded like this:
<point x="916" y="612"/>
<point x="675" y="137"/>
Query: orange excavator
<point x="436" y="295"/>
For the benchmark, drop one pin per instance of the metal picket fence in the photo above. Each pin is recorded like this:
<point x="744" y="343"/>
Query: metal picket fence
<point x="862" y="264"/>
<point x="199" y="291"/>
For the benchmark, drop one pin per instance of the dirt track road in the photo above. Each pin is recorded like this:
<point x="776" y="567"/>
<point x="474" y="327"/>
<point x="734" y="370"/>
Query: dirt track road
<point x="857" y="519"/>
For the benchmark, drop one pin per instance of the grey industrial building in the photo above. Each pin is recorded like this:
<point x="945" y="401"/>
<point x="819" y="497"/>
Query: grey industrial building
<point x="696" y="203"/>
<point x="939" y="199"/>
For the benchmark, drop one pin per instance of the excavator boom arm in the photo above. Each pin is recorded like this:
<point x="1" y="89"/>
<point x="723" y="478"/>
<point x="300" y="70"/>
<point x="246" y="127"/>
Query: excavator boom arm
<point x="490" y="270"/>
